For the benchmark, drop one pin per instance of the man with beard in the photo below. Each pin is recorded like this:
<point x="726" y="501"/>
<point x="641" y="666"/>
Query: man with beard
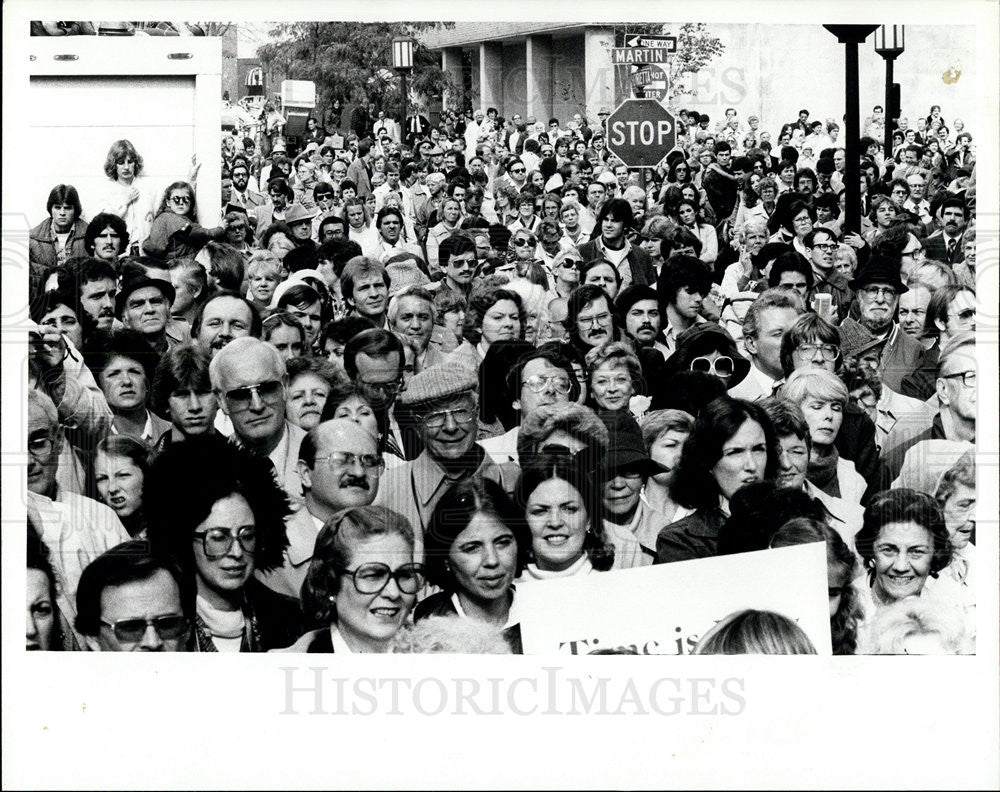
<point x="241" y="193"/>
<point x="638" y="311"/>
<point x="540" y="377"/>
<point x="224" y="317"/>
<point x="106" y="238"/>
<point x="878" y="287"/>
<point x="946" y="243"/>
<point x="249" y="380"/>
<point x="340" y="465"/>
<point x="95" y="283"/>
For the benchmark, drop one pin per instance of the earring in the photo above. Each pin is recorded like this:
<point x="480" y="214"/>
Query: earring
<point x="332" y="598"/>
<point x="871" y="563"/>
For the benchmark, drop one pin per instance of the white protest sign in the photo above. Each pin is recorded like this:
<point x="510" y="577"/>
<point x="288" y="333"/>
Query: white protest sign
<point x="665" y="609"/>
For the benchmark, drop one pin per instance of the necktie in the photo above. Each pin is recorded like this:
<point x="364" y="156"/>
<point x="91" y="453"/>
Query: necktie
<point x="952" y="244"/>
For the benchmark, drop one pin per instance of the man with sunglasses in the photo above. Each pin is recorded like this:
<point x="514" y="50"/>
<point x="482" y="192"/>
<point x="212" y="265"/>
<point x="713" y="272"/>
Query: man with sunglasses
<point x="249" y="380"/>
<point x="340" y="466"/>
<point x="458" y="260"/>
<point x="444" y="404"/>
<point x="539" y="378"/>
<point x="131" y="601"/>
<point x="878" y="286"/>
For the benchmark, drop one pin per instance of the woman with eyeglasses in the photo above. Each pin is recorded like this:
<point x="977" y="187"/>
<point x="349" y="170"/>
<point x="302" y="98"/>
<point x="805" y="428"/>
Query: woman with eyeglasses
<point x="219" y="512"/>
<point x="473" y="554"/>
<point x="823" y="397"/>
<point x="362" y="583"/>
<point x="732" y="444"/>
<point x="129" y="194"/>
<point x="175" y="232"/>
<point x="559" y="493"/>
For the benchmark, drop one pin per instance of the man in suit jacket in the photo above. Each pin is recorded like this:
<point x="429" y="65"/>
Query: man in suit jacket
<point x="514" y="138"/>
<point x="946" y="244"/>
<point x="359" y="171"/>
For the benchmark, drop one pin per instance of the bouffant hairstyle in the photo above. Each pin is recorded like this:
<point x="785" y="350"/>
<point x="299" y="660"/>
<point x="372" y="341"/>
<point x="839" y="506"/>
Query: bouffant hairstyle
<point x="480" y="301"/>
<point x="333" y="554"/>
<point x="571" y="418"/>
<point x="187" y="479"/>
<point x="903" y="505"/>
<point x="694" y="486"/>
<point x="453" y="514"/>
<point x="580" y="471"/>
<point x="913" y="616"/>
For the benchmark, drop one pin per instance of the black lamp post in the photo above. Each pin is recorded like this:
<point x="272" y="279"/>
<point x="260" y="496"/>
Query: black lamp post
<point x="851" y="36"/>
<point x="889" y="43"/>
<point x="402" y="62"/>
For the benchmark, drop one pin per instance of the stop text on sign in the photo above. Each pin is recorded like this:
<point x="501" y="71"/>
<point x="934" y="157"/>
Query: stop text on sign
<point x="640" y="133"/>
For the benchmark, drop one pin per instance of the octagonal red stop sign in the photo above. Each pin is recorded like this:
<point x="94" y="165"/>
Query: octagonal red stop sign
<point x="640" y="132"/>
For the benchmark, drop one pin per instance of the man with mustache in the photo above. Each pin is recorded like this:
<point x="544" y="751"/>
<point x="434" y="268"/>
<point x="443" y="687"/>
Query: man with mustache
<point x="639" y="314"/>
<point x="224" y="317"/>
<point x="106" y="237"/>
<point x="946" y="244"/>
<point x="878" y="287"/>
<point x="95" y="283"/>
<point x="339" y="464"/>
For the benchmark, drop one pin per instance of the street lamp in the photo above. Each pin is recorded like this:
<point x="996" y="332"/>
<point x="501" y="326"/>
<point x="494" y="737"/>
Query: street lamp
<point x="402" y="62"/>
<point x="890" y="42"/>
<point x="850" y="36"/>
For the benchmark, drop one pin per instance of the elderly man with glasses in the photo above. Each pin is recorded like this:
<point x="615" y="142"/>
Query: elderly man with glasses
<point x="249" y="380"/>
<point x="878" y="287"/>
<point x="444" y="404"/>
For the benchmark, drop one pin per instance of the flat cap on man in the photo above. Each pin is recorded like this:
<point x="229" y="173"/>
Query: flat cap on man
<point x="439" y="382"/>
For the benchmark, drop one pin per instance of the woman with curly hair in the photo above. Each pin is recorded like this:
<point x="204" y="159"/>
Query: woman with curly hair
<point x="841" y="569"/>
<point x="903" y="542"/>
<point x="219" y="512"/>
<point x="560" y="496"/>
<point x="362" y="583"/>
<point x="495" y="313"/>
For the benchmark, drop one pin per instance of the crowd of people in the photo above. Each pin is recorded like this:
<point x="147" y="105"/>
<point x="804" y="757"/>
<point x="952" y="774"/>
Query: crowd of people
<point x="417" y="369"/>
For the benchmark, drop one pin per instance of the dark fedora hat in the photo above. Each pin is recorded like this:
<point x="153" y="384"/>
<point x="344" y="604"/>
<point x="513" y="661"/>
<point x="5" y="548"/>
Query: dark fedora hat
<point x="879" y="269"/>
<point x="135" y="277"/>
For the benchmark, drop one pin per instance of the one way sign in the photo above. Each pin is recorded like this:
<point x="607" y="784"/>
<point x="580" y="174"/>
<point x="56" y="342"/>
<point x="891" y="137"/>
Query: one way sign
<point x="668" y="43"/>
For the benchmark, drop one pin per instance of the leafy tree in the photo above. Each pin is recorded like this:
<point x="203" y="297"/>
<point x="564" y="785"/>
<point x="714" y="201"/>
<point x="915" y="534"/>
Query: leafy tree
<point x="696" y="48"/>
<point x="353" y="60"/>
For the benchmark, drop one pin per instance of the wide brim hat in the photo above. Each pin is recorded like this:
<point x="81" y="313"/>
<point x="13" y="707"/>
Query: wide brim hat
<point x="297" y="213"/>
<point x="879" y="269"/>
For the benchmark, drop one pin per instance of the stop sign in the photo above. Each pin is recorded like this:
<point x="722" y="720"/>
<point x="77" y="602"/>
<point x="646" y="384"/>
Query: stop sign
<point x="640" y="132"/>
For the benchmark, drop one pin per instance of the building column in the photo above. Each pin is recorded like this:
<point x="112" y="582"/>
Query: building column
<point x="538" y="65"/>
<point x="451" y="64"/>
<point x="491" y="75"/>
<point x="599" y="73"/>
